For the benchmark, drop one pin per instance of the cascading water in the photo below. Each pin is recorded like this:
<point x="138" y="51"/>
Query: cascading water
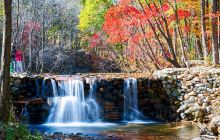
<point x="91" y="101"/>
<point x="131" y="112"/>
<point x="71" y="106"/>
<point x="43" y="88"/>
<point x="54" y="85"/>
<point x="61" y="90"/>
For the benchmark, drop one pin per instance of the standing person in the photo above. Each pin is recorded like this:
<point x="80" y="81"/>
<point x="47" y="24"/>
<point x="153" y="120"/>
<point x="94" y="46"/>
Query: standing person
<point x="19" y="61"/>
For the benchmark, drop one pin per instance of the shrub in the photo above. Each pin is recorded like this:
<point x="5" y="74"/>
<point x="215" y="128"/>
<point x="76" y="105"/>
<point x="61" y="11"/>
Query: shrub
<point x="17" y="131"/>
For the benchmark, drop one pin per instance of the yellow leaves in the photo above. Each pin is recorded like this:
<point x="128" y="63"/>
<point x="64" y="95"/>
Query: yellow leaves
<point x="1" y="9"/>
<point x="92" y="14"/>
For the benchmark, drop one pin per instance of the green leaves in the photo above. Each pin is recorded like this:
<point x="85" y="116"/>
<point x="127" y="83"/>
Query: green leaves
<point x="19" y="132"/>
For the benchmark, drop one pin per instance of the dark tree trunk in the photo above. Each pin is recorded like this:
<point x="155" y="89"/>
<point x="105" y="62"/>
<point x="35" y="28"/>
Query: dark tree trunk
<point x="5" y="63"/>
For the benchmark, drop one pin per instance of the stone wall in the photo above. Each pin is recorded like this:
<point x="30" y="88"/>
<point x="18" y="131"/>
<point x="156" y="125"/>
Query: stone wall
<point x="197" y="91"/>
<point x="153" y="100"/>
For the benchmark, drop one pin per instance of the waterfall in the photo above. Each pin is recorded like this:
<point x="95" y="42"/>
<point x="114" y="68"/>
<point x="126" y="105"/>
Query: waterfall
<point x="61" y="86"/>
<point x="43" y="87"/>
<point x="53" y="82"/>
<point x="94" y="107"/>
<point x="131" y="112"/>
<point x="71" y="106"/>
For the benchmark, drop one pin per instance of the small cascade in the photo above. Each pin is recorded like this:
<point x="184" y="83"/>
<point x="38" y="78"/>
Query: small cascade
<point x="70" y="105"/>
<point x="93" y="106"/>
<point x="92" y="91"/>
<point x="61" y="90"/>
<point x="54" y="85"/>
<point x="43" y="87"/>
<point x="131" y="112"/>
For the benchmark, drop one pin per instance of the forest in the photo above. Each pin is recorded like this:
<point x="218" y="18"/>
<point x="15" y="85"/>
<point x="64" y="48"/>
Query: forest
<point x="68" y="37"/>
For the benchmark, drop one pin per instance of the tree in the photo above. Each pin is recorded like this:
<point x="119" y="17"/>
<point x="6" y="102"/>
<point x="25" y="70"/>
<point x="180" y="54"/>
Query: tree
<point x="203" y="26"/>
<point x="5" y="62"/>
<point x="149" y="25"/>
<point x="215" y="53"/>
<point x="92" y="15"/>
<point x="1" y="19"/>
<point x="91" y="18"/>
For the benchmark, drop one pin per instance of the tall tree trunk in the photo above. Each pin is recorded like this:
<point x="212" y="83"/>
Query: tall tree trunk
<point x="175" y="41"/>
<point x="5" y="63"/>
<point x="199" y="47"/>
<point x="214" y="21"/>
<point x="43" y="37"/>
<point x="204" y="36"/>
<point x="30" y="50"/>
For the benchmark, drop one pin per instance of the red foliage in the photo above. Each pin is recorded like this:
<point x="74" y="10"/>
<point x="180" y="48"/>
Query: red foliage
<point x="30" y="26"/>
<point x="95" y="40"/>
<point x="128" y="25"/>
<point x="182" y="14"/>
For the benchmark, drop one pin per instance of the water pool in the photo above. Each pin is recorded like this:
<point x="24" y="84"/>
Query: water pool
<point x="125" y="131"/>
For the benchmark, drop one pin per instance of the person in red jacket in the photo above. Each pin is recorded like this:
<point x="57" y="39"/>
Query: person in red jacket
<point x="19" y="61"/>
